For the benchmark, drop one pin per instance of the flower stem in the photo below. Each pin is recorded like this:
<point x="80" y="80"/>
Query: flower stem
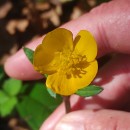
<point x="66" y="100"/>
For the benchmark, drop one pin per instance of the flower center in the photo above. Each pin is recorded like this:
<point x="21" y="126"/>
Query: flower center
<point x="72" y="64"/>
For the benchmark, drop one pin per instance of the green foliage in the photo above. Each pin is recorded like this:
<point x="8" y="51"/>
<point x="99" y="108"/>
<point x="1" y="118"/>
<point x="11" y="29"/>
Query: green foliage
<point x="7" y="106"/>
<point x="90" y="90"/>
<point x="30" y="100"/>
<point x="29" y="53"/>
<point x="51" y="93"/>
<point x="8" y="96"/>
<point x="1" y="73"/>
<point x="44" y="97"/>
<point x="33" y="112"/>
<point x="37" y="106"/>
<point x="12" y="86"/>
<point x="3" y="97"/>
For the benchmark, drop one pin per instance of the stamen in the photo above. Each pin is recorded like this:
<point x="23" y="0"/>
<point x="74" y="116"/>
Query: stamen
<point x="72" y="64"/>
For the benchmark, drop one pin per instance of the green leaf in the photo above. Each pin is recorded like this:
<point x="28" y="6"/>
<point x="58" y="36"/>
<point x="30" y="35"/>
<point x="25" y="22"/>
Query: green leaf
<point x="29" y="53"/>
<point x="25" y="88"/>
<point x="2" y="73"/>
<point x="51" y="93"/>
<point x="3" y="97"/>
<point x="37" y="106"/>
<point x="40" y="94"/>
<point x="90" y="90"/>
<point x="33" y="112"/>
<point x="12" y="86"/>
<point x="7" y="107"/>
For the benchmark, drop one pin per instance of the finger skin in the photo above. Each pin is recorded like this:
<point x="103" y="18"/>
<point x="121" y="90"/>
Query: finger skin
<point x="109" y="23"/>
<point x="95" y="120"/>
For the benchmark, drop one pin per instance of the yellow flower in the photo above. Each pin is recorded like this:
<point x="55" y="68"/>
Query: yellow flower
<point x="70" y="65"/>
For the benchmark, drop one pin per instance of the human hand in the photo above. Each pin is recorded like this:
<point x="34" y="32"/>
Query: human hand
<point x="110" y="25"/>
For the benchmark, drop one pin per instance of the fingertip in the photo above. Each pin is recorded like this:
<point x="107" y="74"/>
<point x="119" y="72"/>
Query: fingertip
<point x="19" y="67"/>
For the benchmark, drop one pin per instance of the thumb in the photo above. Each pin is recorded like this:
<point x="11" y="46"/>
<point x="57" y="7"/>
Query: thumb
<point x="95" y="120"/>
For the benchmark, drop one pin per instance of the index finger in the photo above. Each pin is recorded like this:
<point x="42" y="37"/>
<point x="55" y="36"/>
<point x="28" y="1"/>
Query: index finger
<point x="109" y="23"/>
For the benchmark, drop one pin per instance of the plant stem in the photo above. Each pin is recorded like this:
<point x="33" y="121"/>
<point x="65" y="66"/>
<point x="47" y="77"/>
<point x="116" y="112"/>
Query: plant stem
<point x="66" y="100"/>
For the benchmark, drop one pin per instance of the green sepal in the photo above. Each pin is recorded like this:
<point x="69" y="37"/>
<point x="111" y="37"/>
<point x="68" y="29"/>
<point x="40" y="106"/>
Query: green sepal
<point x="29" y="53"/>
<point x="88" y="91"/>
<point x="45" y="75"/>
<point x="51" y="93"/>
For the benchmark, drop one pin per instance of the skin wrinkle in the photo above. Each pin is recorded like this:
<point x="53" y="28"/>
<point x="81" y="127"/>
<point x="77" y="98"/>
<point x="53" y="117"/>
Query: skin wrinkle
<point x="104" y="39"/>
<point x="115" y="15"/>
<point x="101" y="29"/>
<point x="119" y="20"/>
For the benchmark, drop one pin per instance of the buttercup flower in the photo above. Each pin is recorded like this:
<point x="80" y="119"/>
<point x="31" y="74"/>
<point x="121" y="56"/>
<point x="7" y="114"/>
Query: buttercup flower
<point x="70" y="64"/>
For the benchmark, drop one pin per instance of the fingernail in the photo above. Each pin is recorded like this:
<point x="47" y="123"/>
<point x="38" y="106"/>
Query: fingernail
<point x="71" y="122"/>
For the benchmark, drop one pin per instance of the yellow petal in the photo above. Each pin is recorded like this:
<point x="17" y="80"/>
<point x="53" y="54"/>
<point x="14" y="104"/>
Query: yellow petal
<point x="64" y="85"/>
<point x="44" y="62"/>
<point x="85" y="44"/>
<point x="58" y="40"/>
<point x="47" y="54"/>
